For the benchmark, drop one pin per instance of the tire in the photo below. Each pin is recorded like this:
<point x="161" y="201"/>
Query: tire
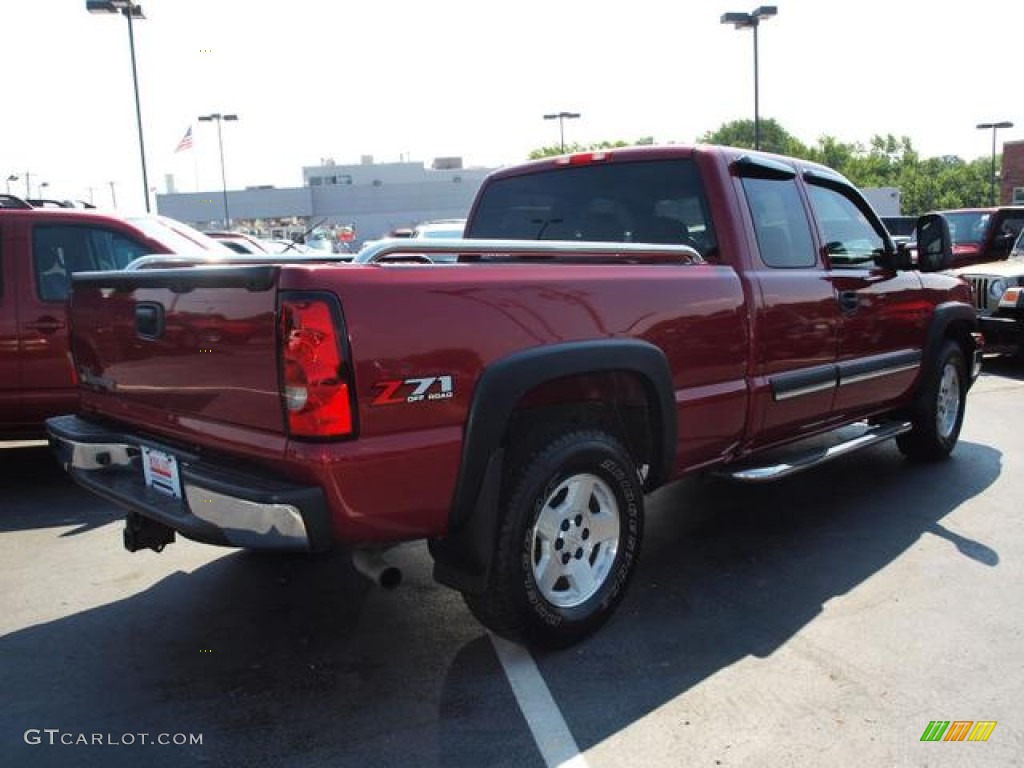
<point x="569" y="538"/>
<point x="939" y="412"/>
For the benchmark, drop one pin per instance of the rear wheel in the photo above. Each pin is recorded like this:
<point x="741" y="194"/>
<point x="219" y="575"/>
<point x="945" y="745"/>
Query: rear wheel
<point x="568" y="542"/>
<point x="939" y="412"/>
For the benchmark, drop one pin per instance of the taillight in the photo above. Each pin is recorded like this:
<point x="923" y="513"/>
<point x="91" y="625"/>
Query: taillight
<point x="314" y="372"/>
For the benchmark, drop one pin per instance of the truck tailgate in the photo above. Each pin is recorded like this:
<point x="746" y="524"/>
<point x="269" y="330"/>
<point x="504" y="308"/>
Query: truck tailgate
<point x="190" y="342"/>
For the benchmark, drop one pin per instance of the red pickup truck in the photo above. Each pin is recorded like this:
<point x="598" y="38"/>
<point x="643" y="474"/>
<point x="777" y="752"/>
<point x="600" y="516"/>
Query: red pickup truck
<point x="40" y="247"/>
<point x="982" y="235"/>
<point x="614" y="320"/>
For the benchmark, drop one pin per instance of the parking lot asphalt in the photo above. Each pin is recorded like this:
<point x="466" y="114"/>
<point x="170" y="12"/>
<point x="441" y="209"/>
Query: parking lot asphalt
<point x="822" y="620"/>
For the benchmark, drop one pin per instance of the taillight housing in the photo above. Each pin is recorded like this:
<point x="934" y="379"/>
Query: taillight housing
<point x="316" y="388"/>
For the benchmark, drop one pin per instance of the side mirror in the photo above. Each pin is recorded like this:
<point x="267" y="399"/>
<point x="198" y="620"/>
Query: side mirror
<point x="934" y="243"/>
<point x="901" y="257"/>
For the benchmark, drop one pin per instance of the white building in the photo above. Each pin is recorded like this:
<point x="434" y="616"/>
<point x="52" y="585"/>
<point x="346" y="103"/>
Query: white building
<point x="375" y="198"/>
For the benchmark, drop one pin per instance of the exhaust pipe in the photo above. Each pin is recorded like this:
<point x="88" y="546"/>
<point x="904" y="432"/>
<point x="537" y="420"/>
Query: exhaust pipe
<point x="373" y="566"/>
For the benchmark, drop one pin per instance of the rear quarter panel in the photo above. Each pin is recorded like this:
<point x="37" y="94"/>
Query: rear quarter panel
<point x="426" y="322"/>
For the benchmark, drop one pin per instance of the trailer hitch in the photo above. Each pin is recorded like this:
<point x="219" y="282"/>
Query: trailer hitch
<point x="142" y="533"/>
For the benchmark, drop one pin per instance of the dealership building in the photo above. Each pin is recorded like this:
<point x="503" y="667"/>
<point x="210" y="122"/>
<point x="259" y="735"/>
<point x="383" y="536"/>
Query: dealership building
<point x="372" y="198"/>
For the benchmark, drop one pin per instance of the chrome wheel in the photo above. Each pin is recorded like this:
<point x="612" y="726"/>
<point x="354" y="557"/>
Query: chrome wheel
<point x="947" y="405"/>
<point x="575" y="540"/>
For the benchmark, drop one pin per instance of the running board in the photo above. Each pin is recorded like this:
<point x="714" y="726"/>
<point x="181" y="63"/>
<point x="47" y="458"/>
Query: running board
<point x="816" y="456"/>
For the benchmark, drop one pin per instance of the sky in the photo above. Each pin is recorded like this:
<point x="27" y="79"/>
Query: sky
<point x="398" y="79"/>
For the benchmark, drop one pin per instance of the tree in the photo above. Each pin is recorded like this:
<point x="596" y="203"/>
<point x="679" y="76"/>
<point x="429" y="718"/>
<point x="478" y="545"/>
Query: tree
<point x="886" y="161"/>
<point x="740" y="133"/>
<point x="555" y="149"/>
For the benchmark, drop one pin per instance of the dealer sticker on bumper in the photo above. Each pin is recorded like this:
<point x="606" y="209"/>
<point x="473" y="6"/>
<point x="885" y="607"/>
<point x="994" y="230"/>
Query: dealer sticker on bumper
<point x="161" y="472"/>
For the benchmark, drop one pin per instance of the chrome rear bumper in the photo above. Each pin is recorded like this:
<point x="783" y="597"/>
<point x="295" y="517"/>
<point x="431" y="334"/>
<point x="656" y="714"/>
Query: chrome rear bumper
<point x="218" y="504"/>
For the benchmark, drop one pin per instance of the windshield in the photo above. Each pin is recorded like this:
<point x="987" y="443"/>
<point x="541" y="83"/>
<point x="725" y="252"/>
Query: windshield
<point x="178" y="237"/>
<point x="968" y="228"/>
<point x="1018" y="247"/>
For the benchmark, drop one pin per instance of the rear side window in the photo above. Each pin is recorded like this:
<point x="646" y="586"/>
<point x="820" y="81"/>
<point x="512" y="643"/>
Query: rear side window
<point x="780" y="223"/>
<point x="61" y="250"/>
<point x="659" y="202"/>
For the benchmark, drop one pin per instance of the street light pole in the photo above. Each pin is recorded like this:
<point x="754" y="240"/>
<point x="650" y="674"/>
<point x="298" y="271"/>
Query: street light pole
<point x="218" y="117"/>
<point x="128" y="13"/>
<point x="561" y="117"/>
<point x="130" y="10"/>
<point x="752" y="21"/>
<point x="992" y="178"/>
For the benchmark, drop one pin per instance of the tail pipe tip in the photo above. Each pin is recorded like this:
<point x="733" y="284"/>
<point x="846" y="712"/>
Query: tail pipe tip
<point x="371" y="564"/>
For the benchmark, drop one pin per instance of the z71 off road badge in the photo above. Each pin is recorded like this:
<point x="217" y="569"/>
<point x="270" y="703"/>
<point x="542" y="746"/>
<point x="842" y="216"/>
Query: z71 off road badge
<point x="414" y="390"/>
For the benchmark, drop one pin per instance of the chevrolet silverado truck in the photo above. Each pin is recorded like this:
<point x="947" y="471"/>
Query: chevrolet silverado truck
<point x="40" y="247"/>
<point x="611" y="321"/>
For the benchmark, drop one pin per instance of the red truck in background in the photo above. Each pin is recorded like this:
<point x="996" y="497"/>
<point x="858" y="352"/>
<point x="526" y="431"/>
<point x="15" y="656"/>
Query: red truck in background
<point x="613" y="321"/>
<point x="982" y="235"/>
<point x="40" y="247"/>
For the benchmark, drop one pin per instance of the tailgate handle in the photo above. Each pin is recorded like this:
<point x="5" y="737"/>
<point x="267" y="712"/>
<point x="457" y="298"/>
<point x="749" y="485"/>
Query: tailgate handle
<point x="149" y="320"/>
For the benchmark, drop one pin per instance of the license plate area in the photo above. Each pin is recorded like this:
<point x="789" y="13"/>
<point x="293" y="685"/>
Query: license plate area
<point x="161" y="472"/>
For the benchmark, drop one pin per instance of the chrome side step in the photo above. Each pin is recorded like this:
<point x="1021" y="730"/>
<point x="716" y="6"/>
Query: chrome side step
<point x="814" y="457"/>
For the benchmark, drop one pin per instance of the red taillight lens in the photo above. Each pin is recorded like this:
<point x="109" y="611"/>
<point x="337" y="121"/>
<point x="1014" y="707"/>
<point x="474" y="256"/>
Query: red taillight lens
<point x="314" y="372"/>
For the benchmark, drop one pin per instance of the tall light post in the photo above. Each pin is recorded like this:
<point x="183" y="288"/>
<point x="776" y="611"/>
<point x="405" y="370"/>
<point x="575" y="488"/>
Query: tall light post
<point x="752" y="21"/>
<point x="561" y="117"/>
<point x="992" y="179"/>
<point x="220" y="143"/>
<point x="130" y="10"/>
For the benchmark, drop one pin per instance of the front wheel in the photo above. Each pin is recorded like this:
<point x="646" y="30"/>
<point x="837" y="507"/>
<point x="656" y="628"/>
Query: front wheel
<point x="939" y="411"/>
<point x="568" y="543"/>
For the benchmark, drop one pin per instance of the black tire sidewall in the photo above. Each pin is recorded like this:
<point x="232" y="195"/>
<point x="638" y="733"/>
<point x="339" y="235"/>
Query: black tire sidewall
<point x="581" y="453"/>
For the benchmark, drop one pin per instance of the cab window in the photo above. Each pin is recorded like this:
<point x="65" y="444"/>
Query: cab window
<point x="60" y="250"/>
<point x="849" y="237"/>
<point x="659" y="202"/>
<point x="780" y="223"/>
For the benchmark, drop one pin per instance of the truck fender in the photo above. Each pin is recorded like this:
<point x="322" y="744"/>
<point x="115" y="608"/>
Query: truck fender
<point x="462" y="558"/>
<point x="945" y="315"/>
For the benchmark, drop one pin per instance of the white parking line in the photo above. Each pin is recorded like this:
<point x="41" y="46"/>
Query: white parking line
<point x="556" y="744"/>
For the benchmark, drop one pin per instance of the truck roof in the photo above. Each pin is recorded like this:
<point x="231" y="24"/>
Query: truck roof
<point x="658" y="152"/>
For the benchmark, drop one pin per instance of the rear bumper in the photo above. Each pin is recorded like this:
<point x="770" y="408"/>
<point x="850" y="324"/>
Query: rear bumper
<point x="218" y="504"/>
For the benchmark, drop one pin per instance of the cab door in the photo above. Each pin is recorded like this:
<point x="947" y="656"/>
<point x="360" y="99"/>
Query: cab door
<point x="10" y="365"/>
<point x="883" y="315"/>
<point x="57" y="250"/>
<point x="796" y="326"/>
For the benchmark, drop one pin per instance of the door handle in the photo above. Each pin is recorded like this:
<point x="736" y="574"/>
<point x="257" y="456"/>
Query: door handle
<point x="46" y="325"/>
<point x="848" y="301"/>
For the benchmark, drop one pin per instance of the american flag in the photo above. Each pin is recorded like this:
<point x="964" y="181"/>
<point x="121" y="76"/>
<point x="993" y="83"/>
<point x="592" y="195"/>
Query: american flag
<point x="186" y="140"/>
